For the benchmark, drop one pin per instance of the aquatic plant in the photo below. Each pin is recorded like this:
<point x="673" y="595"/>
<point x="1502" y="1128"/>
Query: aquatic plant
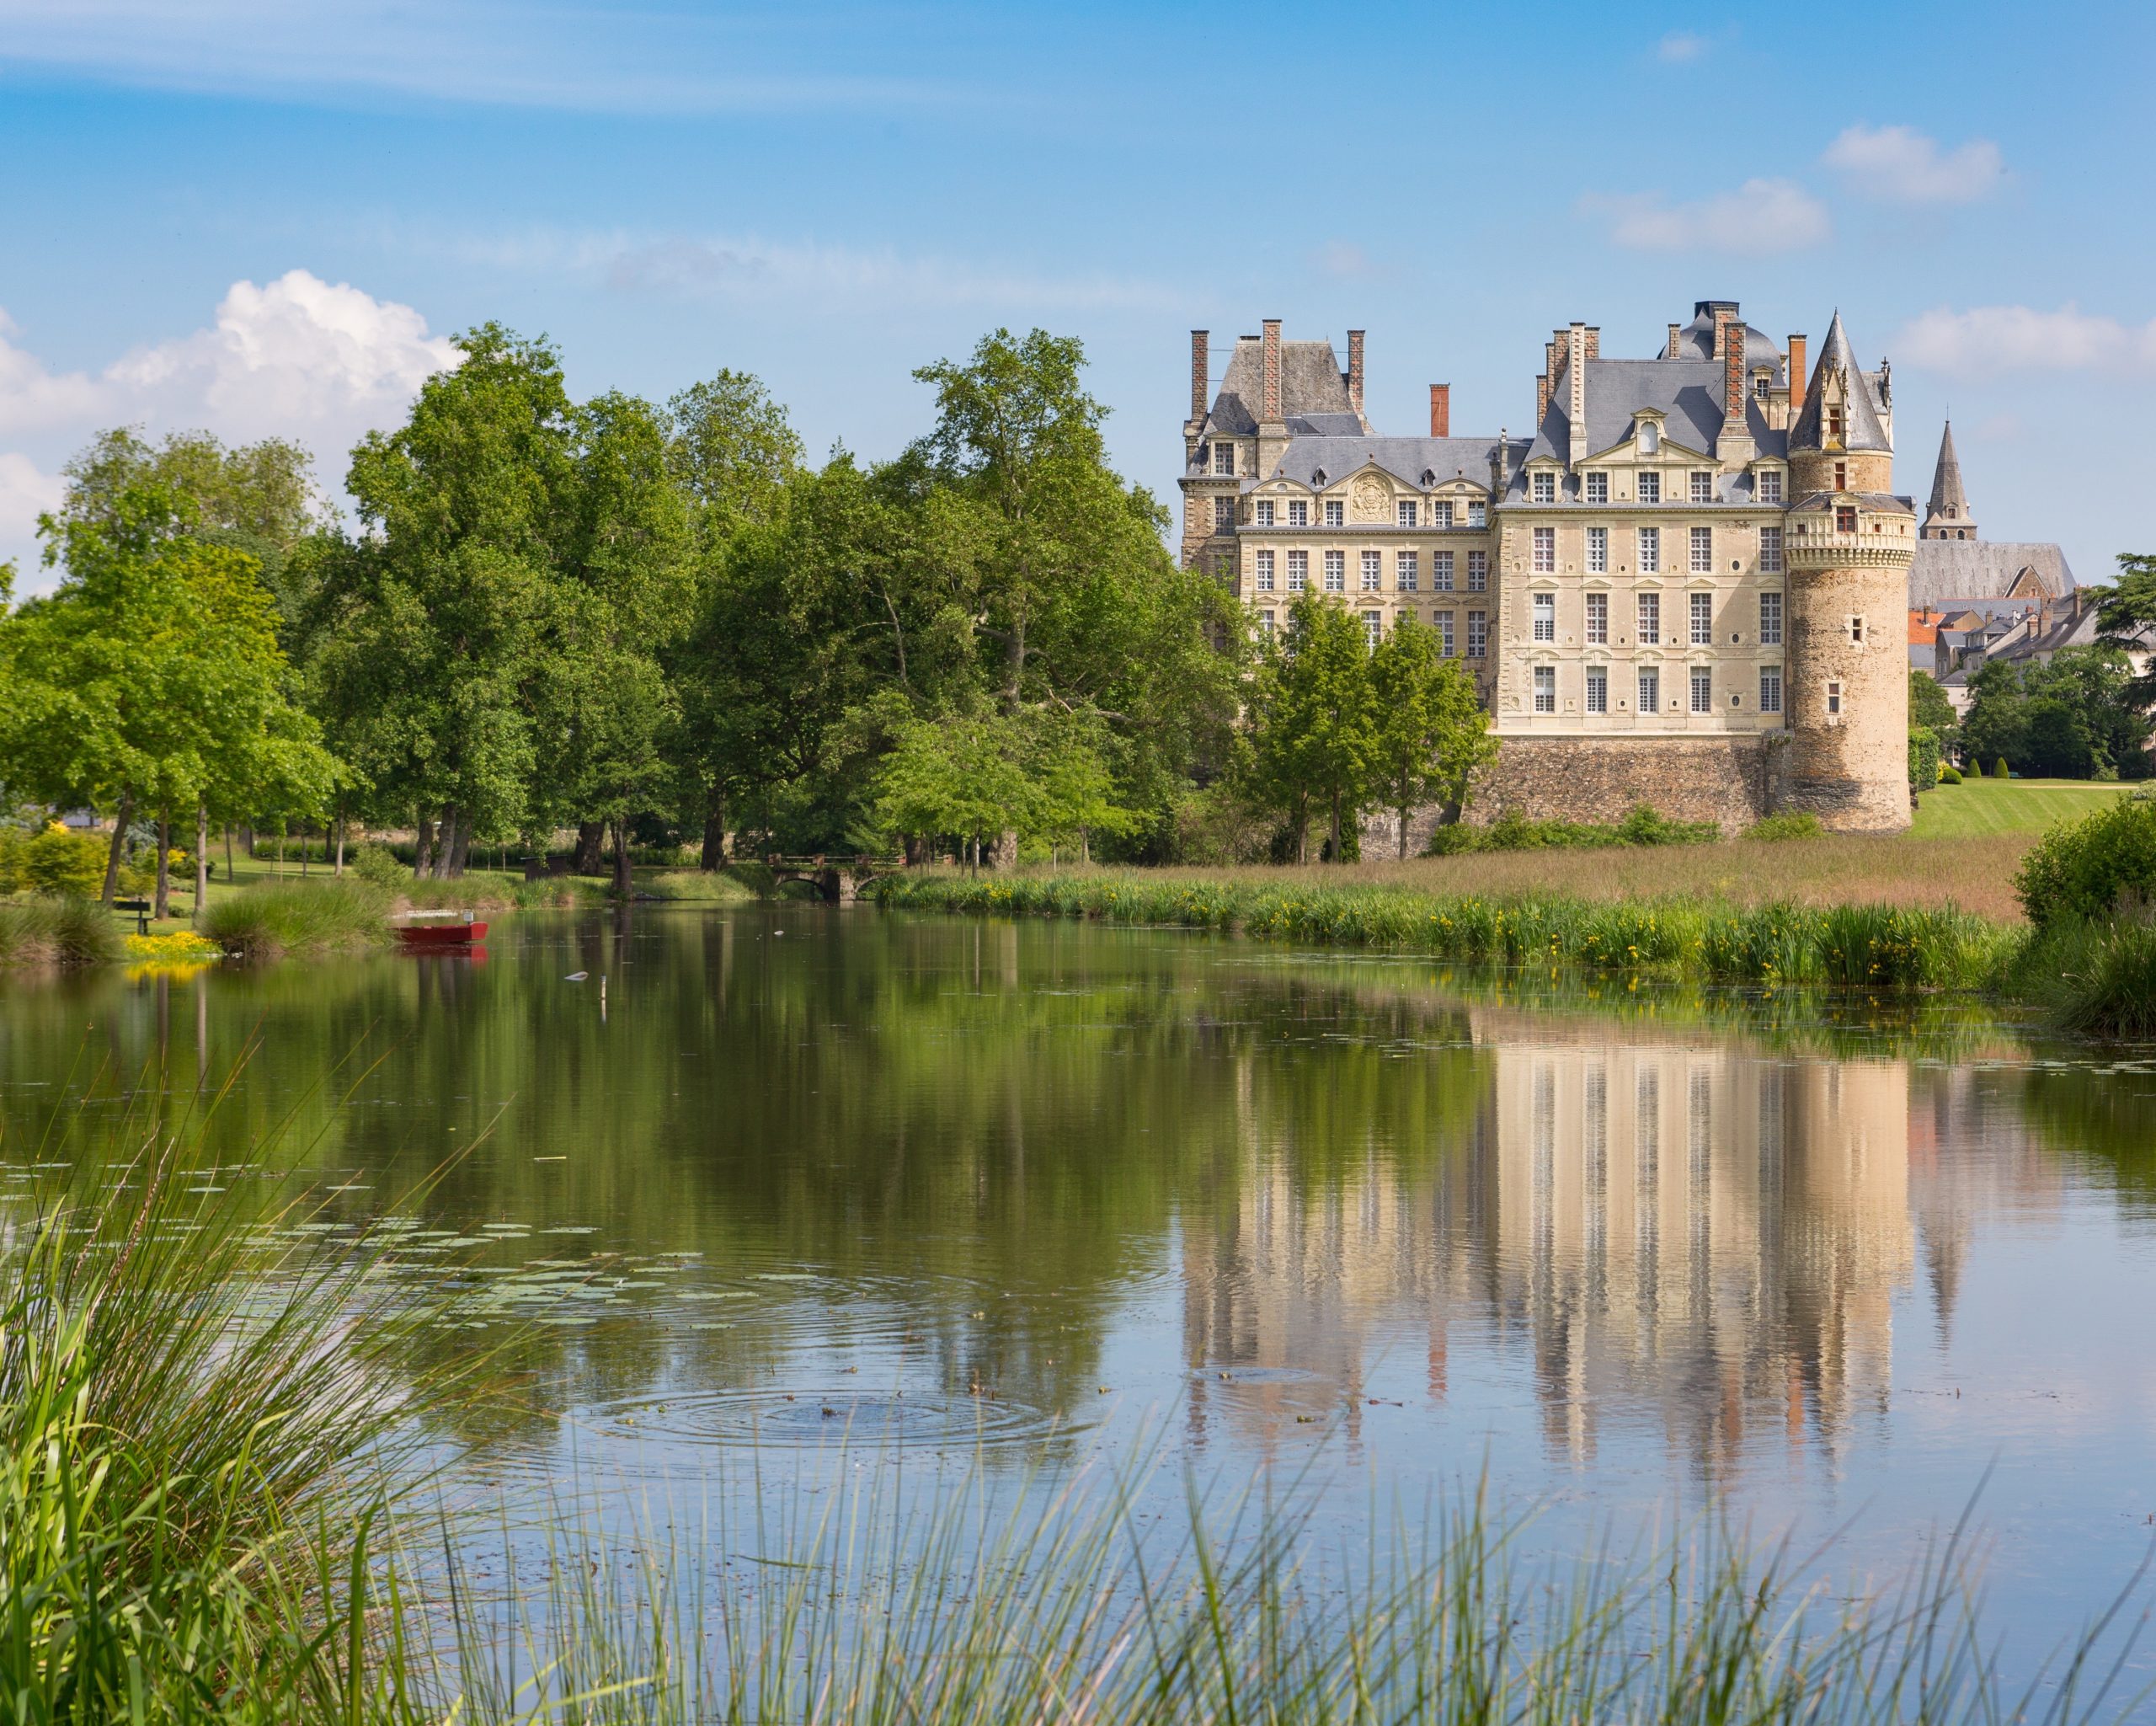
<point x="52" y="929"/>
<point x="276" y="917"/>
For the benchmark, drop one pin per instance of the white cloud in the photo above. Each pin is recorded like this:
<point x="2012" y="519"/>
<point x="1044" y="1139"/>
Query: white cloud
<point x="1760" y="217"/>
<point x="1681" y="47"/>
<point x="1899" y="164"/>
<point x="24" y="490"/>
<point x="31" y="397"/>
<point x="1993" y="339"/>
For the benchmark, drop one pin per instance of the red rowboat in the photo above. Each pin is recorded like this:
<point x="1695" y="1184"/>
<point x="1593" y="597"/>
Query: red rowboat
<point x="439" y="937"/>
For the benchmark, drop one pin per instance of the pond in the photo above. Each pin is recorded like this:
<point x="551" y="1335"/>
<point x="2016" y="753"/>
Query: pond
<point x="809" y="1192"/>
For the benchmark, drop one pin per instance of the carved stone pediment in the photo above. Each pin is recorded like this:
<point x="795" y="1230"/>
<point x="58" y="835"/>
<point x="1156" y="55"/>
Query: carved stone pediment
<point x="1370" y="500"/>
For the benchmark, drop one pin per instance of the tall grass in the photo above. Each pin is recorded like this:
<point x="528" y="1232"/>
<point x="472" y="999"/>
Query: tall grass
<point x="273" y="918"/>
<point x="1871" y="945"/>
<point x="50" y="929"/>
<point x="2095" y="976"/>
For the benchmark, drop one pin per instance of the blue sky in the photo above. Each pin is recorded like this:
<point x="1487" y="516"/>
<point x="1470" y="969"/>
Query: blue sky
<point x="264" y="217"/>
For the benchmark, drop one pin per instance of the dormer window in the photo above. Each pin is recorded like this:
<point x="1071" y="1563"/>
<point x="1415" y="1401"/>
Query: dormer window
<point x="1834" y="422"/>
<point x="1299" y="513"/>
<point x="1650" y="438"/>
<point x="1546" y="488"/>
<point x="1770" y="485"/>
<point x="1223" y="460"/>
<point x="1844" y="519"/>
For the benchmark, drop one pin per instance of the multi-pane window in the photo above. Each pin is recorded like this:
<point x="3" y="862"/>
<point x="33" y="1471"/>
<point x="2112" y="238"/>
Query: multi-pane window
<point x="1770" y="689"/>
<point x="1299" y="513"/>
<point x="1298" y="571"/>
<point x="1373" y="626"/>
<point x="1703" y="551"/>
<point x="1441" y="572"/>
<point x="1264" y="507"/>
<point x="1770" y="620"/>
<point x="1372" y="571"/>
<point x="1478" y="634"/>
<point x="1649" y="550"/>
<point x="1405" y="513"/>
<point x="1445" y="633"/>
<point x="1477" y="513"/>
<point x="1703" y="619"/>
<point x="1703" y="486"/>
<point x="1856" y="632"/>
<point x="1264" y="563"/>
<point x="1545" y="550"/>
<point x="1598" y="689"/>
<point x="1597" y="619"/>
<point x="1770" y="485"/>
<point x="1266" y="622"/>
<point x="1224" y="459"/>
<point x="1406" y="570"/>
<point x="1441" y="513"/>
<point x="1650" y="689"/>
<point x="1224" y="512"/>
<point x="1335" y="513"/>
<point x="1545" y="616"/>
<point x="1650" y="488"/>
<point x="1650" y="618"/>
<point x="1703" y="690"/>
<point x="1598" y="551"/>
<point x="1546" y="689"/>
<point x="1597" y="488"/>
<point x="1335" y="572"/>
<point x="1833" y="695"/>
<point x="1478" y="571"/>
<point x="1546" y="487"/>
<point x="1770" y="551"/>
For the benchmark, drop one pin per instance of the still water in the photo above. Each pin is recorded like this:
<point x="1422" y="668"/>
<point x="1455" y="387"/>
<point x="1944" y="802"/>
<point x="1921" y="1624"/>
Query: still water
<point x="834" y="1189"/>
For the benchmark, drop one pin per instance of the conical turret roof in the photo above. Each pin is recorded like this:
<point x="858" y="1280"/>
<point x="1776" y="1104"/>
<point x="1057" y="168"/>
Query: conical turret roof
<point x="1862" y="428"/>
<point x="1948" y="499"/>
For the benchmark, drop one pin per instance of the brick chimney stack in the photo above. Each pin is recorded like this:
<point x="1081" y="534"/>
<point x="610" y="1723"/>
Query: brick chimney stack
<point x="1724" y="317"/>
<point x="1594" y="341"/>
<point x="1269" y="372"/>
<point x="1440" y="410"/>
<point x="1733" y="444"/>
<point x="1796" y="346"/>
<point x="1198" y="376"/>
<point x="1576" y="394"/>
<point x="1670" y="352"/>
<point x="1355" y="370"/>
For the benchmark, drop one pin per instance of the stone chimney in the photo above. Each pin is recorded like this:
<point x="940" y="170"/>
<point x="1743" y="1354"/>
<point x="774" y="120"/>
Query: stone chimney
<point x="1198" y="378"/>
<point x="1440" y="410"/>
<point x="1733" y="446"/>
<point x="1355" y="370"/>
<point x="1594" y="341"/>
<point x="1269" y="372"/>
<point x="1725" y="316"/>
<point x="1576" y="393"/>
<point x="1670" y="352"/>
<point x="1796" y="346"/>
<point x="1541" y="397"/>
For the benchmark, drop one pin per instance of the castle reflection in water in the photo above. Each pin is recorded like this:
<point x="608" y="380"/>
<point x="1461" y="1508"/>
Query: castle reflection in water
<point x="1698" y="1236"/>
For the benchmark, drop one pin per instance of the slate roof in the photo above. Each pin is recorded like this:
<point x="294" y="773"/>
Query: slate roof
<point x="1311" y="387"/>
<point x="1819" y="502"/>
<point x="1950" y="571"/>
<point x="1697" y="338"/>
<point x="1946" y="492"/>
<point x="1406" y="458"/>
<point x="1866" y="430"/>
<point x="1688" y="392"/>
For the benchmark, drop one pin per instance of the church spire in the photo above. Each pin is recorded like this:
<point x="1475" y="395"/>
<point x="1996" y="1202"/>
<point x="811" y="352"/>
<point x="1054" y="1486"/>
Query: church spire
<point x="1948" y="516"/>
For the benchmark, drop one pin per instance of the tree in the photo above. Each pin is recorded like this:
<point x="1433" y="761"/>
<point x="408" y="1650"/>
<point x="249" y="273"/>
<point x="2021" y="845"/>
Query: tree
<point x="1429" y="730"/>
<point x="731" y="451"/>
<point x="1930" y="708"/>
<point x="962" y="775"/>
<point x="2126" y="614"/>
<point x="2072" y="718"/>
<point x="1316" y="738"/>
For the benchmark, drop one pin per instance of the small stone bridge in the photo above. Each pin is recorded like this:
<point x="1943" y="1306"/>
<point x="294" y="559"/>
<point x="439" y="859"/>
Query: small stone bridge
<point x="839" y="878"/>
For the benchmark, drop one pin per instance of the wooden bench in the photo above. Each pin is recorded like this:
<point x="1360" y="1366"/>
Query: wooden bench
<point x="141" y="907"/>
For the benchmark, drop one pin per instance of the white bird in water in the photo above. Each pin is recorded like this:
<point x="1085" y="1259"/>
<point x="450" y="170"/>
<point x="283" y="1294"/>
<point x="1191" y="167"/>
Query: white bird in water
<point x="576" y="976"/>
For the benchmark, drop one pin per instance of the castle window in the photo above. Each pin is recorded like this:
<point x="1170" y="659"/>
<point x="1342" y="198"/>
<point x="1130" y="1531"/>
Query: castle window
<point x="1960" y="533"/>
<point x="1478" y="571"/>
<point x="1545" y="550"/>
<point x="1845" y="518"/>
<point x="1703" y="551"/>
<point x="1834" y="422"/>
<point x="1770" y="689"/>
<point x="1841" y="476"/>
<point x="1597" y="619"/>
<point x="1264" y="514"/>
<point x="1770" y="620"/>
<point x="1771" y="486"/>
<point x="1445" y="633"/>
<point x="1265" y="572"/>
<point x="1335" y="572"/>
<point x="1477" y="515"/>
<point x="1650" y="619"/>
<point x="1598" y="551"/>
<point x="1598" y="689"/>
<point x="1856" y="632"/>
<point x="1441" y="513"/>
<point x="1650" y="488"/>
<point x="1546" y="488"/>
<point x="1478" y="634"/>
<point x="1373" y="626"/>
<point x="1546" y="689"/>
<point x="1703" y="620"/>
<point x="1597" y="488"/>
<point x="1650" y="690"/>
<point x="1441" y="572"/>
<point x="1372" y="571"/>
<point x="1265" y="624"/>
<point x="1833" y="695"/>
<point x="1298" y="571"/>
<point x="1770" y="551"/>
<point x="1649" y="550"/>
<point x="1703" y="690"/>
<point x="1759" y="385"/>
<point x="1404" y="513"/>
<point x="1545" y="616"/>
<point x="1335" y="513"/>
<point x="1299" y="514"/>
<point x="1406" y="571"/>
<point x="1703" y="486"/>
<point x="1224" y="512"/>
<point x="1223" y="460"/>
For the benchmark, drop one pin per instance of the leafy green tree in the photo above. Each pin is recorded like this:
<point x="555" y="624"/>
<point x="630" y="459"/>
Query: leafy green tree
<point x="1429" y="730"/>
<point x="2072" y="718"/>
<point x="1930" y="710"/>
<point x="963" y="775"/>
<point x="2127" y="615"/>
<point x="731" y="451"/>
<point x="1316" y="742"/>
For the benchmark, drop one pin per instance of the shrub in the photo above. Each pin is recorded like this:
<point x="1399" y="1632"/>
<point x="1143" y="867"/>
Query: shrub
<point x="1646" y="825"/>
<point x="60" y="860"/>
<point x="1949" y="774"/>
<point x="1924" y="757"/>
<point x="1792" y="824"/>
<point x="1455" y="839"/>
<point x="378" y="864"/>
<point x="1998" y="769"/>
<point x="2085" y="868"/>
<point x="11" y="840"/>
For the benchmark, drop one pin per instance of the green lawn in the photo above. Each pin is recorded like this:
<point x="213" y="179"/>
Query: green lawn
<point x="1982" y="806"/>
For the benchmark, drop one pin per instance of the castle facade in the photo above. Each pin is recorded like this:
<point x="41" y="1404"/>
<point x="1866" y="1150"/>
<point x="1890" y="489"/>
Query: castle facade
<point x="1688" y="586"/>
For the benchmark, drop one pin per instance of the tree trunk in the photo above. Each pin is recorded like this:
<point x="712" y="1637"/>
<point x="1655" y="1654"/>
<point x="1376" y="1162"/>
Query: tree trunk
<point x="445" y="841"/>
<point x="1007" y="849"/>
<point x="161" y="905"/>
<point x="119" y="819"/>
<point x="460" y="848"/>
<point x="227" y="826"/>
<point x="1336" y="826"/>
<point x="590" y="837"/>
<point x="201" y="859"/>
<point x="1085" y="845"/>
<point x="1403" y="826"/>
<point x="624" y="884"/>
<point x="713" y="856"/>
<point x="307" y="850"/>
<point x="340" y="847"/>
<point x="423" y="850"/>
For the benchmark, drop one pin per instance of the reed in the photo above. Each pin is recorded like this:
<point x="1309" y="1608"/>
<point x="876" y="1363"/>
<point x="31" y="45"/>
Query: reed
<point x="50" y="929"/>
<point x="274" y="919"/>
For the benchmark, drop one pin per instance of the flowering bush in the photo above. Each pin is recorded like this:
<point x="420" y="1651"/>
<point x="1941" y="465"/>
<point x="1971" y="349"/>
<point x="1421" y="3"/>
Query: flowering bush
<point x="180" y="946"/>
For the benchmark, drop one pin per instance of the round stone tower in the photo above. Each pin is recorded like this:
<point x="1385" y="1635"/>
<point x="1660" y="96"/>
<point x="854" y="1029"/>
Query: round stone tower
<point x="1848" y="545"/>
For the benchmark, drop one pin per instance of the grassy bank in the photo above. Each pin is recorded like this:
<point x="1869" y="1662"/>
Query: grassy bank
<point x="1979" y="807"/>
<point x="48" y="929"/>
<point x="277" y="918"/>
